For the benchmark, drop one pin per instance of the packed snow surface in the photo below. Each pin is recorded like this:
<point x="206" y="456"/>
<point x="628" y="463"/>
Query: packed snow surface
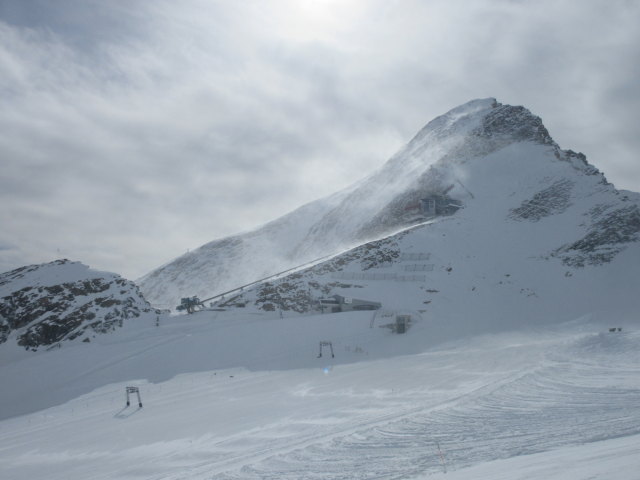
<point x="232" y="396"/>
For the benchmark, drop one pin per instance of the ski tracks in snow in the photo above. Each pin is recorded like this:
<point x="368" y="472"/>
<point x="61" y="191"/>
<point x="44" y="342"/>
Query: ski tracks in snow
<point x="489" y="398"/>
<point x="356" y="447"/>
<point x="572" y="397"/>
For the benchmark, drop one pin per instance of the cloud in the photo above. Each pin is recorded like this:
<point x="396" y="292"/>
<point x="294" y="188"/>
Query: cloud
<point x="133" y="131"/>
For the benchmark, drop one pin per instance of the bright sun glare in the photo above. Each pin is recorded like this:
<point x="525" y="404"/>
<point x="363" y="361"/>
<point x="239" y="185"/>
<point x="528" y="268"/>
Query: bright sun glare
<point x="306" y="20"/>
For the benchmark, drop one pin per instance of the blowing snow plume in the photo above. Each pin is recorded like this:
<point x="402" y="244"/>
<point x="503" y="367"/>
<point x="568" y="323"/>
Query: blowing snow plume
<point x="493" y="168"/>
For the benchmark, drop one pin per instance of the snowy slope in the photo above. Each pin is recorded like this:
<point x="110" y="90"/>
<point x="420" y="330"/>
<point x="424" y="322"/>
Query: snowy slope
<point x="540" y="238"/>
<point x="534" y="402"/>
<point x="499" y="161"/>
<point x="43" y="305"/>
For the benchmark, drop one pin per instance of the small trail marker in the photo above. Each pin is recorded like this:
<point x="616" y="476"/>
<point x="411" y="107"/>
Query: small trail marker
<point x="444" y="465"/>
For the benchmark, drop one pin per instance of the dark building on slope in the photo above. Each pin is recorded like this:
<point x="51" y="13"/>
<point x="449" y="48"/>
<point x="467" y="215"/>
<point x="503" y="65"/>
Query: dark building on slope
<point x="436" y="205"/>
<point x="338" y="303"/>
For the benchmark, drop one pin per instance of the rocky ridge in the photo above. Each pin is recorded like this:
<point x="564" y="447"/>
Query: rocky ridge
<point x="43" y="305"/>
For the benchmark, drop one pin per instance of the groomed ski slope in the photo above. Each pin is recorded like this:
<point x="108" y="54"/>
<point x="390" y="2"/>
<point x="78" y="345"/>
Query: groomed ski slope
<point x="560" y="402"/>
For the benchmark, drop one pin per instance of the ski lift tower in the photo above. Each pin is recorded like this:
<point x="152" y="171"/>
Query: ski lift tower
<point x="190" y="304"/>
<point x="132" y="390"/>
<point x="326" y="344"/>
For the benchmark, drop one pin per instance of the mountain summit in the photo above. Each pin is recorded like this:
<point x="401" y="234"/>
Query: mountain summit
<point x="491" y="170"/>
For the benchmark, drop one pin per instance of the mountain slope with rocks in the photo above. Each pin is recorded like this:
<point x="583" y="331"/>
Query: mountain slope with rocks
<point x="44" y="305"/>
<point x="548" y="242"/>
<point x="491" y="170"/>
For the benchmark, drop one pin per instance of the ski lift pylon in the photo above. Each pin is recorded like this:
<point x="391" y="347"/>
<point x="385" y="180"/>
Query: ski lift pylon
<point x="326" y="344"/>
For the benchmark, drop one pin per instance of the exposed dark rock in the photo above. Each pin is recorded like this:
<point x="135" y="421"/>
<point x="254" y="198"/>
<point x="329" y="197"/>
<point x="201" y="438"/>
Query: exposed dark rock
<point x="550" y="201"/>
<point x="297" y="292"/>
<point x="606" y="238"/>
<point x="45" y="312"/>
<point x="516" y="123"/>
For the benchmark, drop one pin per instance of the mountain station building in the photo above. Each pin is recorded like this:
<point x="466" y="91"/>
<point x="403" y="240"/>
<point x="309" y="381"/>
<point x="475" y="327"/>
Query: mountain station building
<point x="338" y="303"/>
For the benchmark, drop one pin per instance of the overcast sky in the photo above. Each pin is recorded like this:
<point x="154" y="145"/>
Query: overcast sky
<point x="134" y="130"/>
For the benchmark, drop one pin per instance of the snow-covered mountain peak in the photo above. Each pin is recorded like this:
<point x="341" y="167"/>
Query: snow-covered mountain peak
<point x="515" y="123"/>
<point x="472" y="130"/>
<point x="484" y="159"/>
<point x="458" y="121"/>
<point x="474" y="123"/>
